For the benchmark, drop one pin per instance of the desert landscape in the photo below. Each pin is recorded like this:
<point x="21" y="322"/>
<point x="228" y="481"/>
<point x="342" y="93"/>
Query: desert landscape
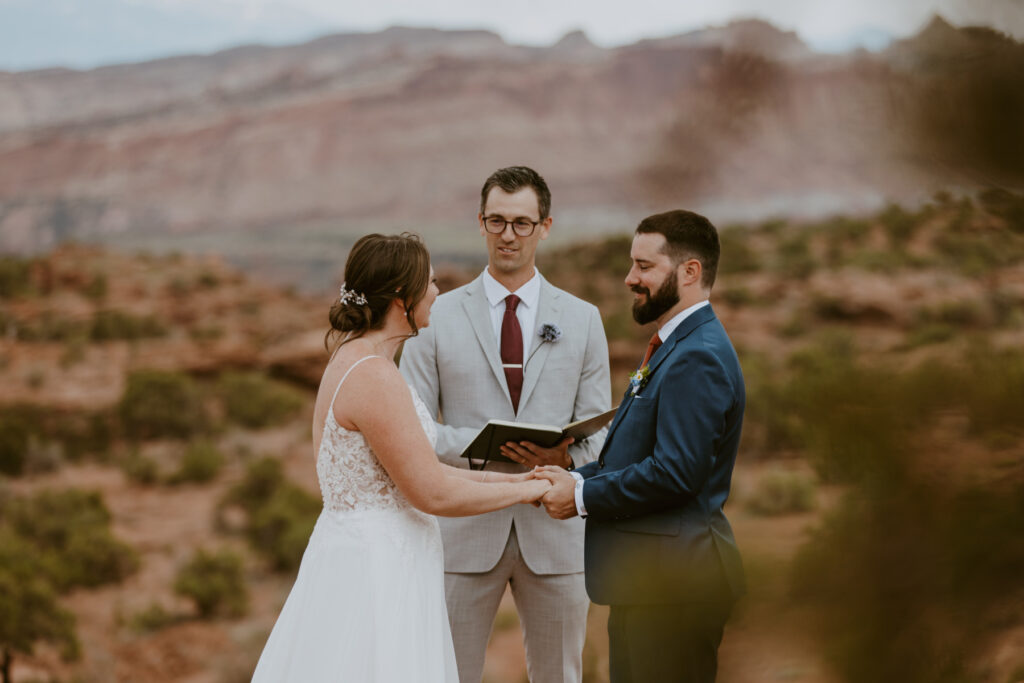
<point x="885" y="377"/>
<point x="172" y="234"/>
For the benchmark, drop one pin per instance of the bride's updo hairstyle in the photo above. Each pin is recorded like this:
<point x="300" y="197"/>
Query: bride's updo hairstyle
<point x="379" y="269"/>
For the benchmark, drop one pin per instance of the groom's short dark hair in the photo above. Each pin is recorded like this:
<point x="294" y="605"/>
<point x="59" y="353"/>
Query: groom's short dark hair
<point x="687" y="235"/>
<point x="514" y="178"/>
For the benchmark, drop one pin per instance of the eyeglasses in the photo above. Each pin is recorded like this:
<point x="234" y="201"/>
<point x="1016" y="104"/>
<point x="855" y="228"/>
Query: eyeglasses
<point x="521" y="226"/>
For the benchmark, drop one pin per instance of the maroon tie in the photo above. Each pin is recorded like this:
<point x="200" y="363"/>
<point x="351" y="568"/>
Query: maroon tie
<point x="651" y="348"/>
<point x="512" y="350"/>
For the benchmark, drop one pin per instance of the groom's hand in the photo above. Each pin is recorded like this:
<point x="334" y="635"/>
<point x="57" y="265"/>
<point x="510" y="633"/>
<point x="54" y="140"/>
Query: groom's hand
<point x="560" y="501"/>
<point x="531" y="455"/>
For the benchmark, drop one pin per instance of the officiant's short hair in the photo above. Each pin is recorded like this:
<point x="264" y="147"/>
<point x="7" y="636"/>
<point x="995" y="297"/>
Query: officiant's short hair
<point x="687" y="235"/>
<point x="514" y="178"/>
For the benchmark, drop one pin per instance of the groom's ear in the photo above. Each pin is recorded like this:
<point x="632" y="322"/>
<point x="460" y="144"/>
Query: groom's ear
<point x="689" y="272"/>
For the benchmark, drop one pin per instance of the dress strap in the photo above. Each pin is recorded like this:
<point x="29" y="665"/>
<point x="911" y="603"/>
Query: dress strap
<point x="345" y="376"/>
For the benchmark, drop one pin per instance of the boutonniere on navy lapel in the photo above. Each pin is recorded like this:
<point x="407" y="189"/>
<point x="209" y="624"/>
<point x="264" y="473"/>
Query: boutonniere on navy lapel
<point x="549" y="332"/>
<point x="638" y="379"/>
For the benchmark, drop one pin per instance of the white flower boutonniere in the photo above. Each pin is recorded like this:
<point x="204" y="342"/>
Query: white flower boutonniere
<point x="638" y="379"/>
<point x="549" y="332"/>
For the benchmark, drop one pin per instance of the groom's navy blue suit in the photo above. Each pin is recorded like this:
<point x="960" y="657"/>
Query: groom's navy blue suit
<point x="659" y="549"/>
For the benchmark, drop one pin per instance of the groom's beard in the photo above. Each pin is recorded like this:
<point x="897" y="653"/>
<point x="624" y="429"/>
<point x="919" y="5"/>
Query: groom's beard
<point x="665" y="298"/>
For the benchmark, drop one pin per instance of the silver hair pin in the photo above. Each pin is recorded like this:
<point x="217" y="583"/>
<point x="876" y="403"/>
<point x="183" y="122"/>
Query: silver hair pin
<point x="351" y="296"/>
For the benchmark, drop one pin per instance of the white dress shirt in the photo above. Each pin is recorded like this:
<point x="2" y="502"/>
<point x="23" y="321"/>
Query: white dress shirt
<point x="664" y="332"/>
<point x="526" y="312"/>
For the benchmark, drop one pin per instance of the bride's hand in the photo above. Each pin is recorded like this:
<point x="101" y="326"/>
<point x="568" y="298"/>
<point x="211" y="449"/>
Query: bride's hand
<point x="509" y="478"/>
<point x="535" y="489"/>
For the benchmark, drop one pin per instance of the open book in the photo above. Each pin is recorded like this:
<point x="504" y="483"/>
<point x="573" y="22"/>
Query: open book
<point x="486" y="445"/>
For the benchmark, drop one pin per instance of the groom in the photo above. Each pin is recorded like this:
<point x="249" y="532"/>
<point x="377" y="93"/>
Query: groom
<point x="659" y="549"/>
<point x="509" y="345"/>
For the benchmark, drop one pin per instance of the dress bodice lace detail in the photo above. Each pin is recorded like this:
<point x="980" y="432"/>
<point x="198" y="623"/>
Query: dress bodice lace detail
<point x="351" y="478"/>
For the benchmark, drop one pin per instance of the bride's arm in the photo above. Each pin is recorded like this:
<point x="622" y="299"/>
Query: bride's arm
<point x="486" y="475"/>
<point x="391" y="426"/>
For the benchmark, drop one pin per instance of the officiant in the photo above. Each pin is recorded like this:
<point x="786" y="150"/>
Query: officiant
<point x="511" y="346"/>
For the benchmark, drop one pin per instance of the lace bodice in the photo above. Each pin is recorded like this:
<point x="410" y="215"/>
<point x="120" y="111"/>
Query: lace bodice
<point x="351" y="478"/>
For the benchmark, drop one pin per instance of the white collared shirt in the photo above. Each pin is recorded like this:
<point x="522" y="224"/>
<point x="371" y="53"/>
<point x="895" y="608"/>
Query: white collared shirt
<point x="526" y="312"/>
<point x="664" y="332"/>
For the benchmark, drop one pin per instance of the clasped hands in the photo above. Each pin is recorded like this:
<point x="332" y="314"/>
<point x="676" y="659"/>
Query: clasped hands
<point x="549" y="464"/>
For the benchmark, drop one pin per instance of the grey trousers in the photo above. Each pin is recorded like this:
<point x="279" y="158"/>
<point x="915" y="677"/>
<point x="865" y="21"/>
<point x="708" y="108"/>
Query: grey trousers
<point x="552" y="610"/>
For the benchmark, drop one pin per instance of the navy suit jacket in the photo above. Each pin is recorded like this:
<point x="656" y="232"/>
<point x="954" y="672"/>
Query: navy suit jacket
<point x="656" y="532"/>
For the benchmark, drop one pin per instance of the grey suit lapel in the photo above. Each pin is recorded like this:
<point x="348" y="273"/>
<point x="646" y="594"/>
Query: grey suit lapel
<point x="478" y="311"/>
<point x="548" y="311"/>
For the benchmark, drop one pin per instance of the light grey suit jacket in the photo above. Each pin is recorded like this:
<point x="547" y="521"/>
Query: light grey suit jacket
<point x="455" y="367"/>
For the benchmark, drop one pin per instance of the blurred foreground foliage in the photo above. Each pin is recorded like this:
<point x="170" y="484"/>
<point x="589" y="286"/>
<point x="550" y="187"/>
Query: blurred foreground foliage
<point x="279" y="515"/>
<point x="920" y="563"/>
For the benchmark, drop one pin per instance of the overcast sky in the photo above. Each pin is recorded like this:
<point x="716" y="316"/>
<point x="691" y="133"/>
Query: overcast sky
<point x="614" y="22"/>
<point x="86" y="33"/>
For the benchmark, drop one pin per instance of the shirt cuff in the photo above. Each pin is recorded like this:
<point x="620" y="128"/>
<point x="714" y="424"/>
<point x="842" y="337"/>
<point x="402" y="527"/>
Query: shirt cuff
<point x="578" y="493"/>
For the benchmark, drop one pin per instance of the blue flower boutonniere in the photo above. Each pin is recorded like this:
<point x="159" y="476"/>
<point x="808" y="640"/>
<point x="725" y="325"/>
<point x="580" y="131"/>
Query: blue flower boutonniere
<point x="638" y="379"/>
<point x="549" y="332"/>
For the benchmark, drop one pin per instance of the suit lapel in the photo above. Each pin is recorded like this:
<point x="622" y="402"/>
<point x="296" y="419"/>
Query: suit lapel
<point x="548" y="311"/>
<point x="478" y="312"/>
<point x="692" y="322"/>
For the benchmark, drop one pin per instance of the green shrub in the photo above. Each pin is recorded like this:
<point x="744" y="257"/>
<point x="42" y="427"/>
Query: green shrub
<point x="899" y="225"/>
<point x="1007" y="205"/>
<point x="737" y="255"/>
<point x="215" y="583"/>
<point x="29" y="610"/>
<point x="781" y="492"/>
<point x="201" y="463"/>
<point x="70" y="530"/>
<point x="208" y="280"/>
<point x="110" y="325"/>
<point x="280" y="516"/>
<point x="994" y="391"/>
<point x="848" y="416"/>
<point x="152" y="618"/>
<point x="13" y="446"/>
<point x="738" y="296"/>
<point x="14" y="276"/>
<point x="795" y="326"/>
<point x="19" y="424"/>
<point x="206" y="333"/>
<point x="158" y="403"/>
<point x="954" y="313"/>
<point x="27" y="428"/>
<point x="140" y="469"/>
<point x="930" y="333"/>
<point x="97" y="287"/>
<point x="262" y="478"/>
<point x="49" y="326"/>
<point x="254" y="401"/>
<point x="280" y="529"/>
<point x="794" y="258"/>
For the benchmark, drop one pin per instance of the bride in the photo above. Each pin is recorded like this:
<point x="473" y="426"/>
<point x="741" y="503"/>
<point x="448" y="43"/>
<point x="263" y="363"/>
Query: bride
<point x="368" y="603"/>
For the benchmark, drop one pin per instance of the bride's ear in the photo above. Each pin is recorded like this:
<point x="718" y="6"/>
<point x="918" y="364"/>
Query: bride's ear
<point x="399" y="303"/>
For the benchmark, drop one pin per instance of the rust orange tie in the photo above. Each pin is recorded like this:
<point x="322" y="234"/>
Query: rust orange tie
<point x="651" y="348"/>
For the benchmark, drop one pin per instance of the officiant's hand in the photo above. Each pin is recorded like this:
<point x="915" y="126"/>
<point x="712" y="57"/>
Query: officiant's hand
<point x="560" y="501"/>
<point x="531" y="455"/>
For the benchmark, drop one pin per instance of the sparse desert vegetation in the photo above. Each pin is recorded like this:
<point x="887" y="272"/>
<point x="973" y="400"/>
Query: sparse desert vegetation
<point x="158" y="489"/>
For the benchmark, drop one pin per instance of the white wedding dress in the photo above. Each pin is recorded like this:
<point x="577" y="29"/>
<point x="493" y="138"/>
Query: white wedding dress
<point x="368" y="603"/>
